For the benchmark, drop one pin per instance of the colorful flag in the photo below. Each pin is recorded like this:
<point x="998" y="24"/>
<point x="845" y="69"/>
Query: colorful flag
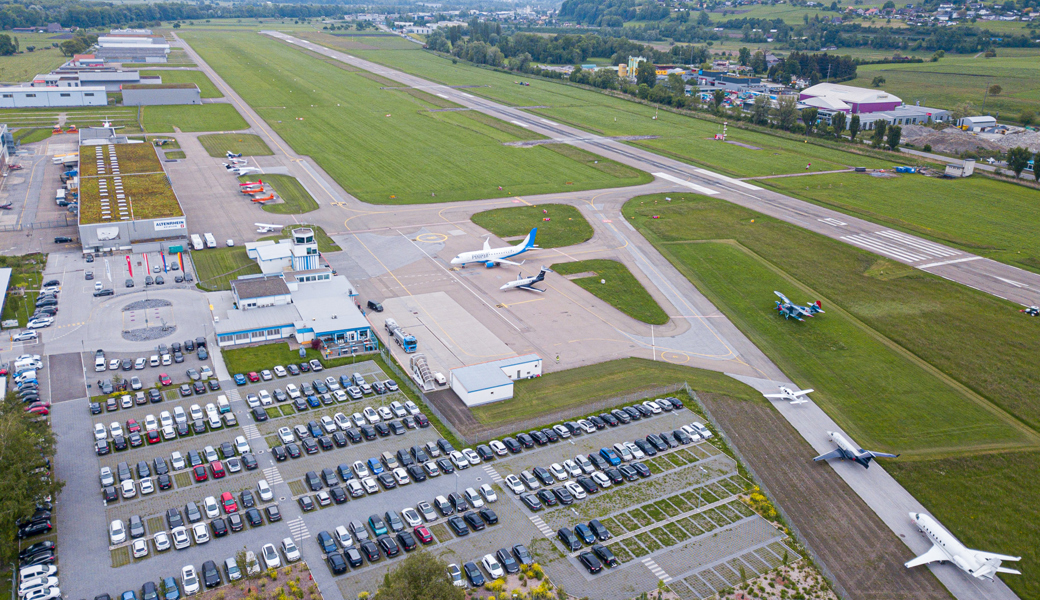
<point x="180" y="261"/>
<point x="164" y="268"/>
<point x="129" y="267"/>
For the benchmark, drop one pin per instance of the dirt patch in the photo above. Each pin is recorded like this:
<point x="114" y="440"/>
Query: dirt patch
<point x="948" y="141"/>
<point x="862" y="554"/>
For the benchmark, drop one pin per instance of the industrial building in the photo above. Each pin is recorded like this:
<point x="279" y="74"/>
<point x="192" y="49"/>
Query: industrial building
<point x="31" y="97"/>
<point x="977" y="123"/>
<point x="493" y="381"/>
<point x="144" y="94"/>
<point x="871" y="106"/>
<point x="299" y="305"/>
<point x="299" y="252"/>
<point x="132" y="49"/>
<point x="77" y="77"/>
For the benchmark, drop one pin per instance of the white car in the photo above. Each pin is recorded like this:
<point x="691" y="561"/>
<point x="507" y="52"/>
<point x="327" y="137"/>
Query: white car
<point x="279" y="371"/>
<point x="398" y="409"/>
<point x="241" y="446"/>
<point x="25" y="336"/>
<point x="586" y="426"/>
<point x="126" y="401"/>
<point x="52" y="593"/>
<point x="488" y="493"/>
<point x="623" y="452"/>
<point x="100" y="433"/>
<point x="113" y="364"/>
<point x="177" y="461"/>
<point x="127" y="489"/>
<point x="161" y="541"/>
<point x="371" y="415"/>
<point x="411" y="407"/>
<point x="701" y="429"/>
<point x="328" y="424"/>
<point x="401" y="475"/>
<point x="637" y="454"/>
<point x="385" y="413"/>
<point x="180" y="538"/>
<point x="30" y="585"/>
<point x="265" y="398"/>
<point x="195" y="411"/>
<point x="354" y="488"/>
<point x="693" y="433"/>
<point x="530" y="480"/>
<point x="190" y="580"/>
<point x="652" y="406"/>
<point x="266" y="494"/>
<point x="572" y="468"/>
<point x="178" y="415"/>
<point x="369" y="483"/>
<point x="339" y="395"/>
<point x="139" y="548"/>
<point x="562" y="431"/>
<point x="116" y="532"/>
<point x="115" y="429"/>
<point x="165" y="419"/>
<point x="471" y="456"/>
<point x="169" y="433"/>
<point x="205" y="372"/>
<point x="514" y="484"/>
<point x="498" y="448"/>
<point x="200" y="533"/>
<point x="558" y="472"/>
<point x="293" y="391"/>
<point x="147" y="487"/>
<point x="358" y="419"/>
<point x="584" y="463"/>
<point x="265" y="374"/>
<point x="36" y="571"/>
<point x="210" y="507"/>
<point x="342" y="421"/>
<point x="285" y="435"/>
<point x="211" y="411"/>
<point x="332" y="384"/>
<point x="459" y="460"/>
<point x="601" y="479"/>
<point x="292" y="553"/>
<point x="360" y="469"/>
<point x="39" y="323"/>
<point x="343" y="537"/>
<point x="210" y="454"/>
<point x="473" y="498"/>
<point x="493" y="568"/>
<point x="575" y="489"/>
<point x="270" y="555"/>
<point x="411" y="517"/>
<point x="455" y="574"/>
<point x="150" y="423"/>
<point x="167" y="360"/>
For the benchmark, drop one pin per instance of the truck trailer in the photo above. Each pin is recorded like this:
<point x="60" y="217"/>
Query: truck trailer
<point x="404" y="340"/>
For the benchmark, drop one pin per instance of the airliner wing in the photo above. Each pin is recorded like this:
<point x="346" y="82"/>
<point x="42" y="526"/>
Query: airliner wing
<point x="829" y="455"/>
<point x="936" y="553"/>
<point x="504" y="261"/>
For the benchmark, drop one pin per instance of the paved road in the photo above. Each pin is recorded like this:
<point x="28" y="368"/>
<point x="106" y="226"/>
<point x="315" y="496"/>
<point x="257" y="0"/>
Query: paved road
<point x="1001" y="280"/>
<point x="879" y="490"/>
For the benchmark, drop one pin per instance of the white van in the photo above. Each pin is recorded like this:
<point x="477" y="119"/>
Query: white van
<point x="59" y="196"/>
<point x="99" y="364"/>
<point x="28" y="364"/>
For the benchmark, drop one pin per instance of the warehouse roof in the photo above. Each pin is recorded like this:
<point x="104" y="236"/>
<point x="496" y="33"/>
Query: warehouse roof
<point x="259" y="287"/>
<point x="847" y="93"/>
<point x="489" y="375"/>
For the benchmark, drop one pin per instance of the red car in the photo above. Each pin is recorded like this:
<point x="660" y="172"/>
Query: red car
<point x="228" y="501"/>
<point x="253" y="377"/>
<point x="132" y="426"/>
<point x="423" y="534"/>
<point x="200" y="473"/>
<point x="165" y="379"/>
<point x="152" y="437"/>
<point x="218" y="469"/>
<point x="39" y="410"/>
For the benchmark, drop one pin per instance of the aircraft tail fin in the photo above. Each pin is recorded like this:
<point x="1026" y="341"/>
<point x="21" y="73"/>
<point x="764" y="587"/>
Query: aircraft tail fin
<point x="993" y="555"/>
<point x="1008" y="571"/>
<point x="818" y="304"/>
<point x="487" y="244"/>
<point x="934" y="554"/>
<point x="529" y="240"/>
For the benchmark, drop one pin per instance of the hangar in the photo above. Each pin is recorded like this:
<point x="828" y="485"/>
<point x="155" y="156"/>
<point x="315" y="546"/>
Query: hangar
<point x="493" y="381"/>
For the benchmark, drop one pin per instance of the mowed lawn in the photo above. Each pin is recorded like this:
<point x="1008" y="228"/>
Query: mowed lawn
<point x="192" y="117"/>
<point x="246" y="144"/>
<point x="295" y="198"/>
<point x="216" y="267"/>
<point x="565" y="225"/>
<point x="206" y="87"/>
<point x="385" y="146"/>
<point x="564" y="389"/>
<point x="988" y="502"/>
<point x="883" y="395"/>
<point x="613" y="283"/>
<point x="992" y="218"/>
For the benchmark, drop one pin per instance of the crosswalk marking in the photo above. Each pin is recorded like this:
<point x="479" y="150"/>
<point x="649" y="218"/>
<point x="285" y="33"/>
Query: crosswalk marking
<point x="492" y="473"/>
<point x="298" y="529"/>
<point x="251" y="432"/>
<point x="540" y="524"/>
<point x="922" y="245"/>
<point x="233" y="395"/>
<point x="273" y="476"/>
<point x="656" y="570"/>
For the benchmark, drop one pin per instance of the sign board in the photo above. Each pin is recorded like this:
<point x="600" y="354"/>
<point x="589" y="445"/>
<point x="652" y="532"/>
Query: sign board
<point x="171" y="224"/>
<point x="175" y="249"/>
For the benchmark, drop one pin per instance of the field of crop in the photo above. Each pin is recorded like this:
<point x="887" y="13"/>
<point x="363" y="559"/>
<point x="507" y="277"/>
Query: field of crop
<point x="956" y="79"/>
<point x="613" y="283"/>
<point x="190" y="118"/>
<point x="984" y="216"/>
<point x="905" y="340"/>
<point x="216" y="267"/>
<point x="19" y="68"/>
<point x="349" y="121"/>
<point x="199" y="78"/>
<point x="565" y="226"/>
<point x="246" y="144"/>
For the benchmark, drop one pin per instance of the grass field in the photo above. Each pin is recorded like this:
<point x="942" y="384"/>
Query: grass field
<point x="206" y="87"/>
<point x="613" y="283"/>
<point x="963" y="78"/>
<point x="563" y="389"/>
<point x="216" y="267"/>
<point x="219" y="144"/>
<point x="987" y="217"/>
<point x="295" y="198"/>
<point x="175" y="154"/>
<point x="27" y="273"/>
<point x="565" y="227"/>
<point x="987" y="501"/>
<point x="344" y="123"/>
<point x="125" y="117"/>
<point x="190" y="118"/>
<point x="19" y="68"/>
<point x="901" y="338"/>
<point x="31" y="135"/>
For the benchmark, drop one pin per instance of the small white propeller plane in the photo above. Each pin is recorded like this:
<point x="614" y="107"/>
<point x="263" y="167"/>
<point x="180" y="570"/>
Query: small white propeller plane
<point x="527" y="283"/>
<point x="267" y="227"/>
<point x="945" y="547"/>
<point x="493" y="258"/>
<point x="792" y="396"/>
<point x="241" y="170"/>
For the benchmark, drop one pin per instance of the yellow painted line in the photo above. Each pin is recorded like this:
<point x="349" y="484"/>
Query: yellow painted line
<point x="504" y="305"/>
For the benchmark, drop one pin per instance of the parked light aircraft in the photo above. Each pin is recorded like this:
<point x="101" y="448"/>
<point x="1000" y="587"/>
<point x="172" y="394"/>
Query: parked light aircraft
<point x="241" y="170"/>
<point x="527" y="283"/>
<point x="790" y="310"/>
<point x="231" y="154"/>
<point x="945" y="547"/>
<point x="248" y="183"/>
<point x="492" y="258"/>
<point x="846" y="450"/>
<point x="267" y="227"/>
<point x="264" y="199"/>
<point x="792" y="396"/>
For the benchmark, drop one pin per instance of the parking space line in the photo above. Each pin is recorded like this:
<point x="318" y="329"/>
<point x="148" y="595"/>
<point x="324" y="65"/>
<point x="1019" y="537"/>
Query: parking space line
<point x="273" y="476"/>
<point x="251" y="432"/>
<point x="493" y="474"/>
<point x="298" y="529"/>
<point x="233" y="395"/>
<point x="656" y="569"/>
<point x="540" y="524"/>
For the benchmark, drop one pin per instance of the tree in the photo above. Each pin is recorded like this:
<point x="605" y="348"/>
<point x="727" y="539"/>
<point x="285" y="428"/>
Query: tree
<point x="760" y="110"/>
<point x="786" y="112"/>
<point x="421" y="575"/>
<point x="894" y="133"/>
<point x="879" y="132"/>
<point x="809" y="116"/>
<point x="1018" y="159"/>
<point x="1036" y="167"/>
<point x="717" y="96"/>
<point x="838" y="123"/>
<point x="676" y="85"/>
<point x="853" y="127"/>
<point x="70" y="47"/>
<point x="1027" y="117"/>
<point x="703" y="19"/>
<point x="646" y="73"/>
<point x="25" y="441"/>
<point x="745" y="56"/>
<point x="994" y="90"/>
<point x="878" y="81"/>
<point x="8" y="45"/>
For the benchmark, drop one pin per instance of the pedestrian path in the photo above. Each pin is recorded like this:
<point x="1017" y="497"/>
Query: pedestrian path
<point x="274" y="477"/>
<point x="298" y="529"/>
<point x="492" y="473"/>
<point x="251" y="432"/>
<point x="540" y="524"/>
<point x="656" y="569"/>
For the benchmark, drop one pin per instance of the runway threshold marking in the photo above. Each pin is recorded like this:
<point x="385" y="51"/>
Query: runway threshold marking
<point x="684" y="183"/>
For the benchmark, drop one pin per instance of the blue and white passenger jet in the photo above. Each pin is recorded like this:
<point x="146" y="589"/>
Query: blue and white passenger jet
<point x="498" y="256"/>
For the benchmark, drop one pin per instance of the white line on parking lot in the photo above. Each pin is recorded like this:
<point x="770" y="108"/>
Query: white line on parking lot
<point x="493" y="474"/>
<point x="251" y="432"/>
<point x="540" y="524"/>
<point x="273" y="475"/>
<point x="656" y="569"/>
<point x="298" y="529"/>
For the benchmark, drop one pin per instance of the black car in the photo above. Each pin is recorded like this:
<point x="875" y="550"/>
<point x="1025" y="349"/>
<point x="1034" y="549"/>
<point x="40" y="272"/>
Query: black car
<point x="259" y="414"/>
<point x="473" y="574"/>
<point x="406" y="540"/>
<point x="680" y="436"/>
<point x="43" y="558"/>
<point x="182" y="429"/>
<point x="101" y="448"/>
<point x="485" y="453"/>
<point x="588" y="484"/>
<point x="249" y="461"/>
<point x="628" y="472"/>
<point x="210" y="574"/>
<point x="551" y="435"/>
<point x="353" y="557"/>
<point x="370" y="550"/>
<point x="227" y="450"/>
<point x="387" y="480"/>
<point x="642" y="469"/>
<point x="458" y="502"/>
<point x="531" y="501"/>
<point x="598" y="461"/>
<point x="623" y="417"/>
<point x="614" y="475"/>
<point x="388" y="545"/>
<point x="279" y="453"/>
<point x="293" y="369"/>
<point x="34" y="528"/>
<point x="234" y="521"/>
<point x="164" y="481"/>
<point x="198" y="387"/>
<point x="563" y="496"/>
<point x="444" y="506"/>
<point x="539" y="438"/>
<point x="310" y="446"/>
<point x="313" y="481"/>
<point x="543" y="475"/>
<point x="525" y="440"/>
<point x="292" y="450"/>
<point x="95" y="408"/>
<point x="599" y="530"/>
<point x="676" y="403"/>
<point x="299" y="404"/>
<point x="648" y="449"/>
<point x="154" y="396"/>
<point x="339" y="495"/>
<point x="597" y="422"/>
<point x="642" y="410"/>
<point x="512" y="445"/>
<point x="104" y="292"/>
<point x="669" y="439"/>
<point x="488" y="515"/>
<point x="353" y="434"/>
<point x="422" y="421"/>
<point x="396" y="427"/>
<point x="583" y="533"/>
<point x="382" y="429"/>
<point x="474" y="521"/>
<point x="109" y="494"/>
<point x="273" y="514"/>
<point x="254" y="518"/>
<point x="185" y="390"/>
<point x="219" y="527"/>
<point x="368" y="432"/>
<point x="325" y="443"/>
<point x="445" y="466"/>
<point x="337" y="564"/>
<point x="655" y="441"/>
<point x="445" y="446"/>
<point x="458" y="525"/>
<point x="119" y="442"/>
<point x="546" y="496"/>
<point x="339" y="439"/>
<point x="36" y="548"/>
<point x="605" y="555"/>
<point x="306" y="504"/>
<point x="570" y="541"/>
<point x="590" y="562"/>
<point x="416" y="473"/>
<point x="509" y="564"/>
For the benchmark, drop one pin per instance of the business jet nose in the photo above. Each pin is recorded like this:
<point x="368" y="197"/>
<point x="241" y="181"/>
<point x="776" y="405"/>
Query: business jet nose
<point x="455" y="260"/>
